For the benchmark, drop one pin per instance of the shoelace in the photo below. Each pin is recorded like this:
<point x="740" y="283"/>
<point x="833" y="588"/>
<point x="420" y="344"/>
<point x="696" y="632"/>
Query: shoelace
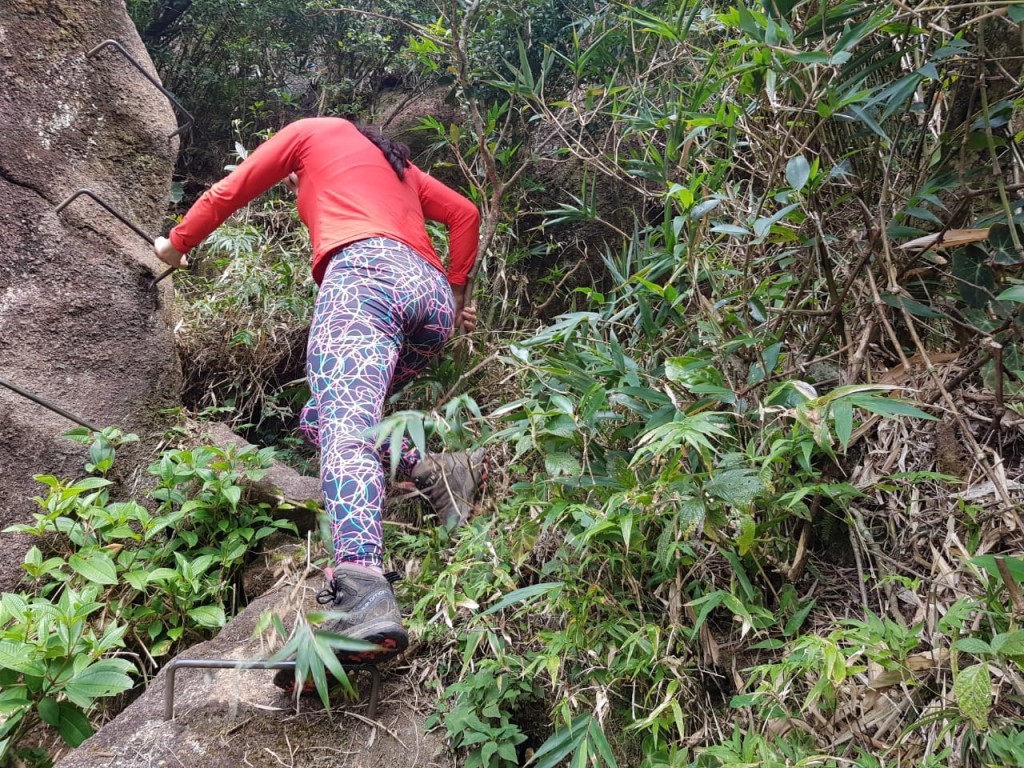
<point x="329" y="594"/>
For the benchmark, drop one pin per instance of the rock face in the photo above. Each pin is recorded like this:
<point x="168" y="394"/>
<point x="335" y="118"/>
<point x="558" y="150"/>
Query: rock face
<point x="230" y="718"/>
<point x="79" y="325"/>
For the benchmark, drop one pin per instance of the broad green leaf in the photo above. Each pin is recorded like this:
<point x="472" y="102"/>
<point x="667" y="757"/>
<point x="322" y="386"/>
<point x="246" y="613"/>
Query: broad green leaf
<point x="105" y="677"/>
<point x="558" y="464"/>
<point x="137" y="579"/>
<point x="90" y="483"/>
<point x="97" y="567"/>
<point x="1009" y="643"/>
<point x="210" y="616"/>
<point x="49" y="710"/>
<point x="233" y="494"/>
<point x="973" y="690"/>
<point x="13" y="606"/>
<point x="13" y="701"/>
<point x="975" y="279"/>
<point x="972" y="645"/>
<point x="598" y="739"/>
<point x="74" y="727"/>
<point x="747" y="536"/>
<point x="738" y="487"/>
<point x="798" y="172"/>
<point x="1014" y="293"/>
<point x="1015" y="566"/>
<point x="13" y="656"/>
<point x="1000" y="246"/>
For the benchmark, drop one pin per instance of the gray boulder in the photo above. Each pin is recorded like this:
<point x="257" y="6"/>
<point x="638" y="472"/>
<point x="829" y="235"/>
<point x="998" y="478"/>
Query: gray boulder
<point x="230" y="718"/>
<point x="79" y="325"/>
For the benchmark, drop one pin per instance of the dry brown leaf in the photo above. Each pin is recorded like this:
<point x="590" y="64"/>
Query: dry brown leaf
<point x="900" y="375"/>
<point x="951" y="238"/>
<point x="916" y="665"/>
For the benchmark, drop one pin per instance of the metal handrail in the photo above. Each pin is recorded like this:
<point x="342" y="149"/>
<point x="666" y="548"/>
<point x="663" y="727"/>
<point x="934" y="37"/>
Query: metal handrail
<point x="177" y="664"/>
<point x="170" y="96"/>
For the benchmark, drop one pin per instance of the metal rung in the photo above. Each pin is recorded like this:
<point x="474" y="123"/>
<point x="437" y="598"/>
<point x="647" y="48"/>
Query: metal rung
<point x="120" y="217"/>
<point x="108" y="208"/>
<point x="47" y="404"/>
<point x="177" y="664"/>
<point x="170" y="96"/>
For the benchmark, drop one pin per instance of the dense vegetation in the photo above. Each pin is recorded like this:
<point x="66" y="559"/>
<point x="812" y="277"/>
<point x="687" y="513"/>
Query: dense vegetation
<point x="750" y="371"/>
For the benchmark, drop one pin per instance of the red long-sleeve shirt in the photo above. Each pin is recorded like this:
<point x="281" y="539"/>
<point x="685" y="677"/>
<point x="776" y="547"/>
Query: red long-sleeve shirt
<point x="347" y="192"/>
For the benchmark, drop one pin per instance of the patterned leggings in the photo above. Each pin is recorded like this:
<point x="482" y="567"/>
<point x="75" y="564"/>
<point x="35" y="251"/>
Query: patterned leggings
<point x="381" y="314"/>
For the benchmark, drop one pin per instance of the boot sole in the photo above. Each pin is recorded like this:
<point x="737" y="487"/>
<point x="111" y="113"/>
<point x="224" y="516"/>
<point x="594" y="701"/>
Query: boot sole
<point x="391" y="638"/>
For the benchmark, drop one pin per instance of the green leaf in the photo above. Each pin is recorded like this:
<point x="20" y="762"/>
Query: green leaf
<point x="798" y="172"/>
<point x="975" y="279"/>
<point x="525" y="593"/>
<point x="973" y="690"/>
<point x="738" y="487"/>
<point x="210" y="616"/>
<point x="842" y="412"/>
<point x="233" y="494"/>
<point x="1009" y="643"/>
<point x="97" y="567"/>
<point x="74" y="727"/>
<point x="105" y="677"/>
<point x="913" y="307"/>
<point x="597" y="738"/>
<point x="557" y="464"/>
<point x="730" y="229"/>
<point x="1016" y="13"/>
<point x="972" y="645"/>
<point x="1000" y="245"/>
<point x="747" y="536"/>
<point x="1015" y="565"/>
<point x="889" y="407"/>
<point x="13" y="656"/>
<point x="562" y="743"/>
<point x="90" y="483"/>
<point x="14" y="702"/>
<point x="49" y="710"/>
<point x="1014" y="293"/>
<point x="507" y="752"/>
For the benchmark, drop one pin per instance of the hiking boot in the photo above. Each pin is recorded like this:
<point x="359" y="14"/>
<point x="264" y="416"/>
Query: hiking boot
<point x="371" y="614"/>
<point x="451" y="482"/>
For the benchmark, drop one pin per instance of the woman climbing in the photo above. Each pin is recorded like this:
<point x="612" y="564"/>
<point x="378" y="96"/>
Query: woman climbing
<point x="385" y="308"/>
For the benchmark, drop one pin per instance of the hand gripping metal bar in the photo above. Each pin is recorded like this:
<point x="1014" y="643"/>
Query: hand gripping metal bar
<point x="177" y="104"/>
<point x="177" y="664"/>
<point x="120" y="217"/>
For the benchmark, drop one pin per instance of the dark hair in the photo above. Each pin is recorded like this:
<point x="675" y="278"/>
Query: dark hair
<point x="396" y="152"/>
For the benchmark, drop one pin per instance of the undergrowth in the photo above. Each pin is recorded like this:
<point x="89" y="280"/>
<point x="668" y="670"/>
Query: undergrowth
<point x="758" y="496"/>
<point x="116" y="587"/>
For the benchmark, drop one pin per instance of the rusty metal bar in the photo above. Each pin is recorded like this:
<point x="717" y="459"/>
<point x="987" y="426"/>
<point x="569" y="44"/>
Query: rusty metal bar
<point x="47" y="404"/>
<point x="120" y="217"/>
<point x="108" y="208"/>
<point x="177" y="664"/>
<point x="161" y="276"/>
<point x="170" y="96"/>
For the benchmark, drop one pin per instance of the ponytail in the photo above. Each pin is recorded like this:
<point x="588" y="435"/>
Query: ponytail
<point x="396" y="153"/>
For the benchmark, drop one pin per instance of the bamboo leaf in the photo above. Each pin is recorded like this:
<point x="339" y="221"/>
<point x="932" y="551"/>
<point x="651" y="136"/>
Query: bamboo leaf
<point x="798" y="172"/>
<point x="525" y="593"/>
